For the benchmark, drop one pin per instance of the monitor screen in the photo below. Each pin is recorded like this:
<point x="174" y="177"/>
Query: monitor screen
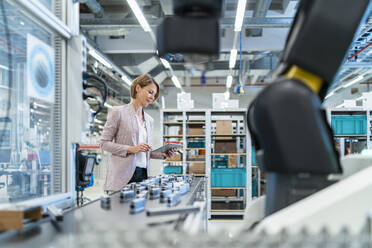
<point x="44" y="156"/>
<point x="89" y="165"/>
<point x="5" y="156"/>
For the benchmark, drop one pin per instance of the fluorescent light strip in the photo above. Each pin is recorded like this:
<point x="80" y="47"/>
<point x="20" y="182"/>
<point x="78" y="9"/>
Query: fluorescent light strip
<point x="229" y="81"/>
<point x="165" y="63"/>
<point x="100" y="59"/>
<point x="139" y="15"/>
<point x="4" y="67"/>
<point x="98" y="121"/>
<point x="354" y="81"/>
<point x="233" y="54"/>
<point x="240" y="11"/>
<point x="176" y="82"/>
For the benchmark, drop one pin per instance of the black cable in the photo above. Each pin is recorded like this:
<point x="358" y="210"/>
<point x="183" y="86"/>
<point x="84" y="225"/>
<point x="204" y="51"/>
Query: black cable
<point x="10" y="70"/>
<point x="88" y="76"/>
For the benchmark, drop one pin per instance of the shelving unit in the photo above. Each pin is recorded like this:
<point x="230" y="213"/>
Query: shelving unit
<point x="351" y="125"/>
<point x="197" y="129"/>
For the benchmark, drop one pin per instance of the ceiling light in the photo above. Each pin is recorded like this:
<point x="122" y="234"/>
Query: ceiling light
<point x="233" y="54"/>
<point x="139" y="15"/>
<point x="229" y="81"/>
<point x="165" y="63"/>
<point x="176" y="82"/>
<point x="354" y="81"/>
<point x="100" y="126"/>
<point x="4" y="67"/>
<point x="101" y="59"/>
<point x="98" y="121"/>
<point x="108" y="105"/>
<point x="240" y="11"/>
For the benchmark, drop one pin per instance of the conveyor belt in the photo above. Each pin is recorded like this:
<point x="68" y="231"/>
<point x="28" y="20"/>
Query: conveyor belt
<point x="92" y="217"/>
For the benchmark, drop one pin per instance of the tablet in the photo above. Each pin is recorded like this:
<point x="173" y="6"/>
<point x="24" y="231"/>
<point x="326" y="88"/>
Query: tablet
<point x="167" y="147"/>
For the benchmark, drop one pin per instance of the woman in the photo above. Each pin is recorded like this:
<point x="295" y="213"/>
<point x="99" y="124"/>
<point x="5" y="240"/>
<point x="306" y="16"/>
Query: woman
<point x="127" y="136"/>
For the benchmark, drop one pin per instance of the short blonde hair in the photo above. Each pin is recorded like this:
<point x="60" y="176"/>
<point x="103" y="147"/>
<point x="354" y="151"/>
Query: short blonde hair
<point x="143" y="81"/>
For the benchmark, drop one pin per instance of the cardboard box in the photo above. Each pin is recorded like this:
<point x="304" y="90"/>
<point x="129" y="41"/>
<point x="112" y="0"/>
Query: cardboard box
<point x="223" y="192"/>
<point x="225" y="146"/>
<point x="196" y="157"/>
<point x="232" y="161"/>
<point x="177" y="157"/>
<point x="224" y="127"/>
<point x="197" y="168"/>
<point x="196" y="131"/>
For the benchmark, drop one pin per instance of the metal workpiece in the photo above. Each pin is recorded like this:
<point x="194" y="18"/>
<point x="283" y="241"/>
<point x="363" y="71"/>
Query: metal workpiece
<point x="105" y="202"/>
<point x="164" y="195"/>
<point x="142" y="194"/>
<point x="166" y="186"/>
<point x="137" y="205"/>
<point x="173" y="199"/>
<point x="167" y="211"/>
<point x="140" y="189"/>
<point x="155" y="193"/>
<point x="126" y="195"/>
<point x="105" y="227"/>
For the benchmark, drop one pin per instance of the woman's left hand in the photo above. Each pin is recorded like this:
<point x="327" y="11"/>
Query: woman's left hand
<point x="170" y="153"/>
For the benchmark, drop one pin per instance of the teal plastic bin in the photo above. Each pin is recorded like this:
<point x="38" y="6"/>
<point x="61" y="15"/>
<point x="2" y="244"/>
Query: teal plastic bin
<point x="173" y="170"/>
<point x="232" y="177"/>
<point x="253" y="156"/>
<point x="349" y="124"/>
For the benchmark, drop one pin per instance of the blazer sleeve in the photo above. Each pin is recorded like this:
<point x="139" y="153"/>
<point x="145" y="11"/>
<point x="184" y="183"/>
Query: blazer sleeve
<point x="109" y="135"/>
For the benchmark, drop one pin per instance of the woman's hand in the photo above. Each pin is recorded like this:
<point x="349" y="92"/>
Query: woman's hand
<point x="170" y="153"/>
<point x="143" y="147"/>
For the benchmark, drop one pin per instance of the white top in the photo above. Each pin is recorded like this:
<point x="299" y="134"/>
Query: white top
<point x="142" y="138"/>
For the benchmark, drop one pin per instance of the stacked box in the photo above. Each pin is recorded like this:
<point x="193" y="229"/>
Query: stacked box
<point x="224" y="128"/>
<point x="196" y="157"/>
<point x="196" y="131"/>
<point x="172" y="170"/>
<point x="232" y="161"/>
<point x="197" y="168"/>
<point x="225" y="146"/>
<point x="176" y="158"/>
<point x="196" y="144"/>
<point x="224" y="192"/>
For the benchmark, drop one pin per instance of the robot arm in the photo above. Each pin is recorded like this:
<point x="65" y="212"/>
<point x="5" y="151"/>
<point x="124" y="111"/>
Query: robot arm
<point x="287" y="120"/>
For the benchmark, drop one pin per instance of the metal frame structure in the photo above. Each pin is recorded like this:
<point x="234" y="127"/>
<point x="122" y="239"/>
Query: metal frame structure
<point x="38" y="11"/>
<point x="208" y="113"/>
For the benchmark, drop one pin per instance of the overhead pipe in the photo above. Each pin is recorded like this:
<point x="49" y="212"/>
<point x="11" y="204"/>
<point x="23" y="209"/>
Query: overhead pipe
<point x="260" y="11"/>
<point x="94" y="6"/>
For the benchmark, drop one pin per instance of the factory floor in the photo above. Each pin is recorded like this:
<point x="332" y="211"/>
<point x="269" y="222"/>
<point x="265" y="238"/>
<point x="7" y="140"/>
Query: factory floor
<point x="214" y="226"/>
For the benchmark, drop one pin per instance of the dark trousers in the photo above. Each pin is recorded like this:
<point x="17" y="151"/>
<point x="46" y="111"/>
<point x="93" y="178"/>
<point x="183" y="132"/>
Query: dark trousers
<point x="139" y="175"/>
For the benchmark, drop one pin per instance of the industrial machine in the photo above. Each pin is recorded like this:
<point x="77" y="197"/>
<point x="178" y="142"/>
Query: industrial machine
<point x="293" y="139"/>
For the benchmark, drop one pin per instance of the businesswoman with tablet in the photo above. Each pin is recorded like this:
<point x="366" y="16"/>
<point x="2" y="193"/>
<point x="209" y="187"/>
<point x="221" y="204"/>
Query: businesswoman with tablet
<point x="127" y="136"/>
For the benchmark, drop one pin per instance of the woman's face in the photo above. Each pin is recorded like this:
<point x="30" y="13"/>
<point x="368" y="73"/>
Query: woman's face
<point x="146" y="95"/>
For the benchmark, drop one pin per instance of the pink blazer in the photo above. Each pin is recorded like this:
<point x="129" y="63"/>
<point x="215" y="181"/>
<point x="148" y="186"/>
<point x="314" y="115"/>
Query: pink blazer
<point x="120" y="132"/>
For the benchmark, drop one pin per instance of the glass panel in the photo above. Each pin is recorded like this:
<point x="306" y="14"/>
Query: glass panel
<point x="30" y="108"/>
<point x="47" y="3"/>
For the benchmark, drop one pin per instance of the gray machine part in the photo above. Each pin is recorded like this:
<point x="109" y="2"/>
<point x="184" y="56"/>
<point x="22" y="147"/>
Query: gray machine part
<point x="284" y="189"/>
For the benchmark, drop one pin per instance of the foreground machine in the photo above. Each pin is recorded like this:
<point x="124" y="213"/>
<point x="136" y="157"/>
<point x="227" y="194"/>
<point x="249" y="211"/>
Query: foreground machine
<point x="293" y="139"/>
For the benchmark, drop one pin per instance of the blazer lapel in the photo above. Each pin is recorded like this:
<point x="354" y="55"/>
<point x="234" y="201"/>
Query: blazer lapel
<point x="134" y="124"/>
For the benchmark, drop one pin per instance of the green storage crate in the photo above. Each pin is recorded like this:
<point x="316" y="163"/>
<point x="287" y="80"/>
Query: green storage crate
<point x="349" y="124"/>
<point x="253" y="156"/>
<point x="172" y="170"/>
<point x="232" y="177"/>
<point x="196" y="144"/>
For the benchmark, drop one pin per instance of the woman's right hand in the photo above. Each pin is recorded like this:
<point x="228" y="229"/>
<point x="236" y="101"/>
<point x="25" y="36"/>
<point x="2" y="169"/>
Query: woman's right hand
<point x="143" y="147"/>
